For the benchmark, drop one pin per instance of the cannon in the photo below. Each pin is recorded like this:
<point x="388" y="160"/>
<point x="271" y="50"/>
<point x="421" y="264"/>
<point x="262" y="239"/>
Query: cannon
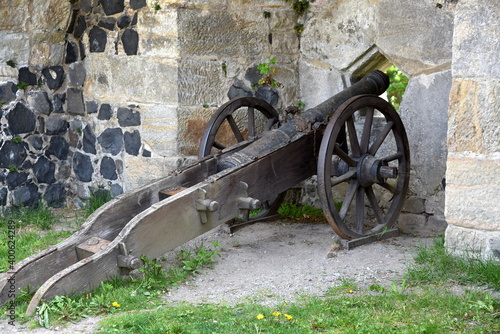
<point x="354" y="142"/>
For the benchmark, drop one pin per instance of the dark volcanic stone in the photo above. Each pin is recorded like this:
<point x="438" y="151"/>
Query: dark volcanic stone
<point x="123" y="21"/>
<point x="12" y="154"/>
<point x="238" y="89"/>
<point x="89" y="140"/>
<point x="130" y="40"/>
<point x="15" y="179"/>
<point x="128" y="117"/>
<point x="71" y="53"/>
<point x="136" y="4"/>
<point x="36" y="142"/>
<point x="111" y="140"/>
<point x="253" y="75"/>
<point x="82" y="50"/>
<point x="132" y="142"/>
<point x="44" y="170"/>
<point x="55" y="125"/>
<point x="97" y="39"/>
<point x="82" y="167"/>
<point x="81" y="26"/>
<point x="59" y="100"/>
<point x="86" y="5"/>
<point x="134" y="20"/>
<point x="21" y="119"/>
<point x="108" y="168"/>
<point x="54" y="76"/>
<point x="3" y="196"/>
<point x="267" y="94"/>
<point x="55" y="195"/>
<point x="116" y="190"/>
<point x="58" y="147"/>
<point x="40" y="102"/>
<point x="105" y="112"/>
<point x="146" y="154"/>
<point x="107" y="23"/>
<point x="112" y="6"/>
<point x="77" y="74"/>
<point x="8" y="92"/>
<point x="26" y="76"/>
<point x="91" y="107"/>
<point x="75" y="101"/>
<point x="26" y="196"/>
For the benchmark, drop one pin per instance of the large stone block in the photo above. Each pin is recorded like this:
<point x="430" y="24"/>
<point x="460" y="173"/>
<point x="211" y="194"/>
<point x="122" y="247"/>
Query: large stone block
<point x="222" y="33"/>
<point x="137" y="173"/>
<point x="121" y="79"/>
<point x="472" y="191"/>
<point x="158" y="33"/>
<point x="14" y="46"/>
<point x="474" y="124"/>
<point x="476" y="42"/>
<point x="318" y="82"/>
<point x="51" y="16"/>
<point x="160" y="128"/>
<point x="201" y="82"/>
<point x="473" y="243"/>
<point x="415" y="35"/>
<point x="424" y="112"/>
<point x="340" y="32"/>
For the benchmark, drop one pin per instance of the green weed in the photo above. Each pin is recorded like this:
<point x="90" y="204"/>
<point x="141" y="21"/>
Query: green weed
<point x="435" y="265"/>
<point x="97" y="199"/>
<point x="290" y="210"/>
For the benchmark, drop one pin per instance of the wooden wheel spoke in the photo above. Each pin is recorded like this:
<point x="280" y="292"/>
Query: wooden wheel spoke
<point x="343" y="156"/>
<point x="360" y="209"/>
<point x="234" y="127"/>
<point x="353" y="186"/>
<point x="367" y="129"/>
<point x="218" y="145"/>
<point x="251" y="122"/>
<point x="395" y="156"/>
<point x="353" y="137"/>
<point x="381" y="137"/>
<point x="392" y="189"/>
<point x="343" y="178"/>
<point x="374" y="205"/>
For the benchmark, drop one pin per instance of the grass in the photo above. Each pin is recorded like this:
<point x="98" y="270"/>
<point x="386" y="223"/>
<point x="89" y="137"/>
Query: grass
<point x="290" y="210"/>
<point x="97" y="198"/>
<point x="435" y="265"/>
<point x="424" y="301"/>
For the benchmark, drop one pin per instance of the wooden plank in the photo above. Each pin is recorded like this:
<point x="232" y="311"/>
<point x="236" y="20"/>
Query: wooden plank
<point x="350" y="244"/>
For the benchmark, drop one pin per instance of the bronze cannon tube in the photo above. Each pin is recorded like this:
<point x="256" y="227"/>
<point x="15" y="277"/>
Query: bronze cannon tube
<point x="375" y="82"/>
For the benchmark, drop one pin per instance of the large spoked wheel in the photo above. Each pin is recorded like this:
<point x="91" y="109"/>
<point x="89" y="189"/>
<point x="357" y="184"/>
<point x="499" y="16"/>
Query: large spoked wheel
<point x="363" y="167"/>
<point x="238" y="120"/>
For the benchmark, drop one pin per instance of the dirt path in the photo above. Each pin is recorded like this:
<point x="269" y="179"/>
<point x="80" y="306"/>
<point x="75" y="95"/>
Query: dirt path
<point x="271" y="263"/>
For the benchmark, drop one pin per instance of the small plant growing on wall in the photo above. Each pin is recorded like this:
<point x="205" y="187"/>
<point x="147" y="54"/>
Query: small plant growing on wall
<point x="300" y="6"/>
<point x="397" y="87"/>
<point x="22" y="85"/>
<point x="11" y="63"/>
<point x="268" y="71"/>
<point x="17" y="140"/>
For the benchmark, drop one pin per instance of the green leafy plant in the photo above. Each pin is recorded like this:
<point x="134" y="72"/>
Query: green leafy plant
<point x="224" y="68"/>
<point x="12" y="169"/>
<point x="97" y="199"/>
<point x="156" y="6"/>
<point x="298" y="28"/>
<point x="22" y="85"/>
<point x="397" y="87"/>
<point x="300" y="105"/>
<point x="11" y="63"/>
<point x="300" y="6"/>
<point x="268" y="71"/>
<point x="266" y="14"/>
<point x="17" y="140"/>
<point x="291" y="210"/>
<point x="2" y="102"/>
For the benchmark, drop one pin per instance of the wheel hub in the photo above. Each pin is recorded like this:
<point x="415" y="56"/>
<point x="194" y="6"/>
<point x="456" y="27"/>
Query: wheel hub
<point x="371" y="170"/>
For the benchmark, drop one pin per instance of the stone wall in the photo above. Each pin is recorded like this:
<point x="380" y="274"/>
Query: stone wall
<point x="473" y="164"/>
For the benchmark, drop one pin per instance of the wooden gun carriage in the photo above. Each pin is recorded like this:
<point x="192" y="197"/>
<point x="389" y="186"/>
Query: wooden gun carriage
<point x="354" y="142"/>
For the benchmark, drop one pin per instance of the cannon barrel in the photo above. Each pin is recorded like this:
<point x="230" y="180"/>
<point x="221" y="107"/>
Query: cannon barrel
<point x="375" y="82"/>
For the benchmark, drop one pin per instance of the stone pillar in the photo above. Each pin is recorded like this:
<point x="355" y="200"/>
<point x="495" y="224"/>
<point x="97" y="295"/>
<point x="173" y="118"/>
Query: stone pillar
<point x="473" y="167"/>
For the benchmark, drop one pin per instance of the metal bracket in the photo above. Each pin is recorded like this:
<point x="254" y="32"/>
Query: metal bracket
<point x="125" y="260"/>
<point x="350" y="244"/>
<point x="204" y="205"/>
<point x="245" y="203"/>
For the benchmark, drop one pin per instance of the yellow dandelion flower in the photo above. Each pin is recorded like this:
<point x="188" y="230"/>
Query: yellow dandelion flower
<point x="350" y="291"/>
<point x="115" y="304"/>
<point x="277" y="314"/>
<point x="260" y="316"/>
<point x="288" y="316"/>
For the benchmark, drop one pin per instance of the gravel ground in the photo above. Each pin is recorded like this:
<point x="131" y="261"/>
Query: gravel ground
<point x="270" y="263"/>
